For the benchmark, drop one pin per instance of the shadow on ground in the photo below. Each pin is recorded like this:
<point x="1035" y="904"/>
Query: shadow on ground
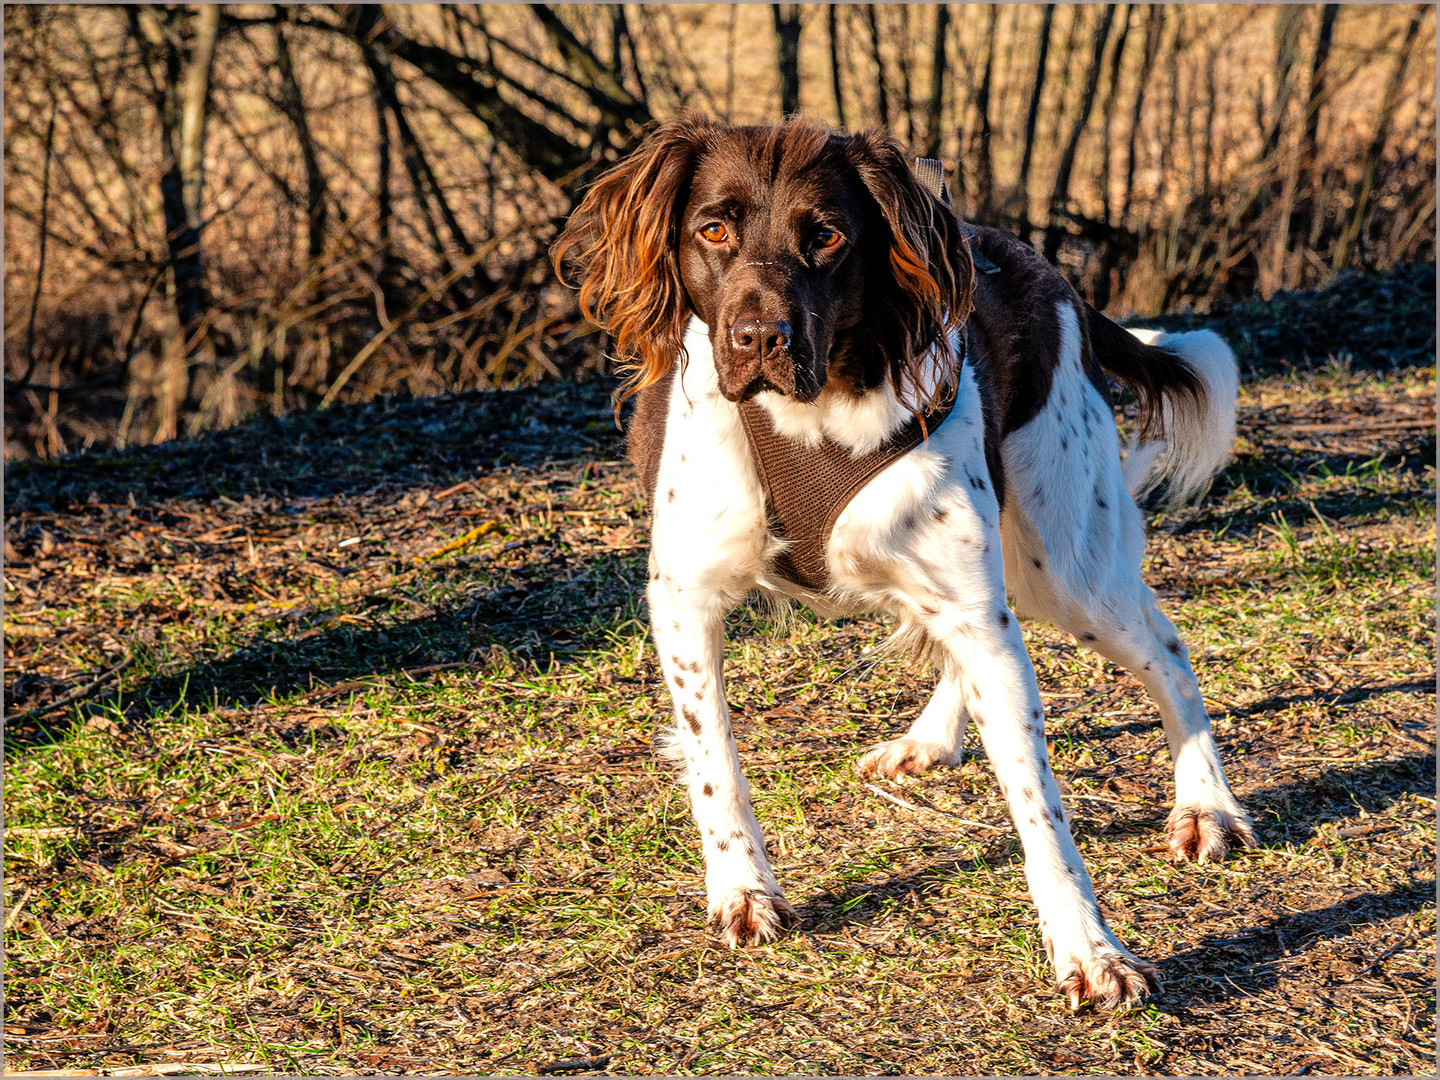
<point x="1239" y="963"/>
<point x="388" y="444"/>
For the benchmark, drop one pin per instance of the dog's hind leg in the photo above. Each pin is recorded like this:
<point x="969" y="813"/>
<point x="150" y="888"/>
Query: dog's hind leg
<point x="1074" y="543"/>
<point x="936" y="737"/>
<point x="1127" y="627"/>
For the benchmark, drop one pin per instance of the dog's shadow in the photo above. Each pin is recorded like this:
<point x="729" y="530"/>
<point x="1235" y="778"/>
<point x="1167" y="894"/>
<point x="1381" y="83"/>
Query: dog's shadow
<point x="1241" y="963"/>
<point x="1226" y="964"/>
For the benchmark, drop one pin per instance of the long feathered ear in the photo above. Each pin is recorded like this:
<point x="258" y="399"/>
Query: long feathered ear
<point x="622" y="242"/>
<point x="923" y="293"/>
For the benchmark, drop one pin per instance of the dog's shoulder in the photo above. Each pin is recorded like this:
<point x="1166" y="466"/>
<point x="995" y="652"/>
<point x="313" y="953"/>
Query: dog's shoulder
<point x="1016" y="324"/>
<point x="645" y="441"/>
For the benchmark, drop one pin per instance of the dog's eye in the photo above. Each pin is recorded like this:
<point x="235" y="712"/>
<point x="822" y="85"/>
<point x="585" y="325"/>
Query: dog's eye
<point x="715" y="232"/>
<point x="828" y="239"/>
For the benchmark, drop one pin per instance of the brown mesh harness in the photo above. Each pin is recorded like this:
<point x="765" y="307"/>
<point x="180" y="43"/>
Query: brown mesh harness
<point x="806" y="489"/>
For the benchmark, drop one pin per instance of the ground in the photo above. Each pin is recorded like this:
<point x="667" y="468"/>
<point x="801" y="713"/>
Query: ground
<point x="330" y="750"/>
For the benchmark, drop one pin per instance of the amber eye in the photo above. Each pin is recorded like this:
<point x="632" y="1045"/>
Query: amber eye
<point x="715" y="232"/>
<point x="827" y="239"/>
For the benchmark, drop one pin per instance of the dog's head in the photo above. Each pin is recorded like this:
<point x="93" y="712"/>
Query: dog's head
<point x="810" y="256"/>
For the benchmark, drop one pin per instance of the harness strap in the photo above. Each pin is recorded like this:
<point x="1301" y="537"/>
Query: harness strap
<point x="931" y="174"/>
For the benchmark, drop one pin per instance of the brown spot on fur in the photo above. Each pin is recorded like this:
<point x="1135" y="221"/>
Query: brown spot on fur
<point x="708" y="790"/>
<point x="670" y="495"/>
<point x="691" y="718"/>
<point x="680" y="681"/>
<point x="723" y="845"/>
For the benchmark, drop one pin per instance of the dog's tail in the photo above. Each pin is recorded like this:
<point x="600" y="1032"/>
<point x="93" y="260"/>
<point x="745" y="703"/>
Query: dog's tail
<point x="1186" y="386"/>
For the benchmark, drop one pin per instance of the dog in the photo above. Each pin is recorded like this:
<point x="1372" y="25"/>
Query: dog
<point x="787" y="290"/>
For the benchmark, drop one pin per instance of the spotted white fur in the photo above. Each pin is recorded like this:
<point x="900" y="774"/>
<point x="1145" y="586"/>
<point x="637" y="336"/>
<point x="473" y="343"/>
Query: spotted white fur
<point x="925" y="541"/>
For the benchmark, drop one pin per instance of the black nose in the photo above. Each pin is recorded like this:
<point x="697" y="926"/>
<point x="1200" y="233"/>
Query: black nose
<point x="762" y="336"/>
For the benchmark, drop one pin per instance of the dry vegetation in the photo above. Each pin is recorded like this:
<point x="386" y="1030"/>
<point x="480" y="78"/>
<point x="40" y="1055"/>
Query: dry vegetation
<point x="379" y="185"/>
<point x="333" y="756"/>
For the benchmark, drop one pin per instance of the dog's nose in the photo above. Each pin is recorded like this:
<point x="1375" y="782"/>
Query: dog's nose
<point x="760" y="336"/>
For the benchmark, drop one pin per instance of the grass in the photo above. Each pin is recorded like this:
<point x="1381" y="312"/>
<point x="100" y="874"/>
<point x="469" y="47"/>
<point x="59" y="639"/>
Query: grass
<point x="376" y="791"/>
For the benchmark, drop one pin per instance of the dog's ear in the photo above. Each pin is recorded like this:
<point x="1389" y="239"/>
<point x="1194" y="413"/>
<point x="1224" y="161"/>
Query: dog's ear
<point x="622" y="242"/>
<point x="923" y="291"/>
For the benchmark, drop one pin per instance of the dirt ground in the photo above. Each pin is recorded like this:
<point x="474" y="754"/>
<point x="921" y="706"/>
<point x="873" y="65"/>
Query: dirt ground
<point x="329" y="751"/>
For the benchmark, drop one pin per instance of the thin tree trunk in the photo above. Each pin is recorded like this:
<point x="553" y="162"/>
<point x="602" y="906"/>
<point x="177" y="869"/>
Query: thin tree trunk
<point x="834" y="26"/>
<point x="937" y="83"/>
<point x="427" y="187"/>
<point x="907" y="99"/>
<point x="294" y="106"/>
<point x="1108" y="109"/>
<point x="1308" y="174"/>
<point x="181" y="188"/>
<point x="1172" y="80"/>
<point x="730" y="66"/>
<point x="384" y="208"/>
<point x="184" y="181"/>
<point x="787" y="45"/>
<point x="1153" y="26"/>
<point x="1060" y="194"/>
<point x="1062" y="73"/>
<point x="1211" y="93"/>
<point x="879" y="65"/>
<point x="984" y="169"/>
<point x="1315" y="96"/>
<point x="1388" y="103"/>
<point x="1288" y="21"/>
<point x="1031" y="115"/>
<point x="625" y="43"/>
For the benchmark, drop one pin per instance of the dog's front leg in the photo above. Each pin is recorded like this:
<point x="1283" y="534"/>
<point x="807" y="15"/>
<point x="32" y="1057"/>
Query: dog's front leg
<point x="744" y="899"/>
<point x="1001" y="695"/>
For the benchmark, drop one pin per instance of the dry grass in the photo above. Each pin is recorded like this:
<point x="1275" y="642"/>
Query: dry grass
<point x="376" y="792"/>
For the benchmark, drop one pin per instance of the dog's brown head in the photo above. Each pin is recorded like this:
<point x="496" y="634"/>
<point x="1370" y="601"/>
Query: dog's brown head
<point x="810" y="256"/>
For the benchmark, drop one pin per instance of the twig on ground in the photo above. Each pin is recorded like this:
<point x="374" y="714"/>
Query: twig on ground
<point x="13" y="915"/>
<point x="932" y="809"/>
<point x="573" y="1065"/>
<point x="74" y="695"/>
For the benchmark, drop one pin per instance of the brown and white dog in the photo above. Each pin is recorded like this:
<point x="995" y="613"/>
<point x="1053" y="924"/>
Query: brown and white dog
<point x="810" y="272"/>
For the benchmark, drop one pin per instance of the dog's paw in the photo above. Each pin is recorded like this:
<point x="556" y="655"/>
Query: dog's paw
<point x="897" y="756"/>
<point x="1106" y="976"/>
<point x="751" y="917"/>
<point x="1199" y="834"/>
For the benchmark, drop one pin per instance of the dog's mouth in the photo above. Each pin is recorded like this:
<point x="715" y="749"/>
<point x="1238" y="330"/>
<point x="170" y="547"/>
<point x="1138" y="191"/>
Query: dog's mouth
<point x="805" y="394"/>
<point x="779" y="373"/>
